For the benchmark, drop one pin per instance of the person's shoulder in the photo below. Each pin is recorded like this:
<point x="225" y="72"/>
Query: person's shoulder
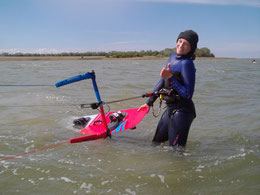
<point x="188" y="65"/>
<point x="187" y="62"/>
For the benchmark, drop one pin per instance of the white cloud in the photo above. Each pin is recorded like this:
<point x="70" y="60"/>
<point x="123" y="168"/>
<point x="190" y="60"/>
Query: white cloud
<point x="254" y="3"/>
<point x="31" y="50"/>
<point x="113" y="46"/>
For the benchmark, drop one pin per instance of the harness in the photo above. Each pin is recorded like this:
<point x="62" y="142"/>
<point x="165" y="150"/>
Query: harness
<point x="169" y="96"/>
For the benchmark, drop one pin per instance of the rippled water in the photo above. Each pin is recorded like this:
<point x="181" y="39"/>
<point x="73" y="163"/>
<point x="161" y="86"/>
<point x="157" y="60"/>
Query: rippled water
<point x="221" y="156"/>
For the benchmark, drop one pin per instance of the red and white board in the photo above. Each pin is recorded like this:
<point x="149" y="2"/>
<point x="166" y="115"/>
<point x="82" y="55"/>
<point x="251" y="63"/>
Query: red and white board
<point x="95" y="128"/>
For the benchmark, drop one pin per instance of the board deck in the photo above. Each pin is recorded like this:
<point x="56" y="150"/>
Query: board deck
<point x="95" y="128"/>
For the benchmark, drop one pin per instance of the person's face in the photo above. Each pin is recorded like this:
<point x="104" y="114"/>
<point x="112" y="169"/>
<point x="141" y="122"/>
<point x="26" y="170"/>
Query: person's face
<point x="182" y="47"/>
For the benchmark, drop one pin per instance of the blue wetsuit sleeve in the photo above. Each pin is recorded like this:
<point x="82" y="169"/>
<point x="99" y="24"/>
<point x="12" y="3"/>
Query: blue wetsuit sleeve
<point x="188" y="73"/>
<point x="158" y="86"/>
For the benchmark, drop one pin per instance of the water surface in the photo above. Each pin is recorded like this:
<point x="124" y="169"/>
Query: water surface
<point x="221" y="156"/>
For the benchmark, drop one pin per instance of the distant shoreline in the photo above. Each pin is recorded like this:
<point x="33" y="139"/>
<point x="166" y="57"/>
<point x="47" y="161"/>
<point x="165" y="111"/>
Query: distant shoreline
<point x="64" y="58"/>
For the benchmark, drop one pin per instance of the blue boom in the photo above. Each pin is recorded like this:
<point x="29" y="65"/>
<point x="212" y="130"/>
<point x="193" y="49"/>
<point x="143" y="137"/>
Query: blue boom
<point x="88" y="75"/>
<point x="92" y="76"/>
<point x="75" y="79"/>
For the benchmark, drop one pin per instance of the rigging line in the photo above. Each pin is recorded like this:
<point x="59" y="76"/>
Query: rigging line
<point x="25" y="85"/>
<point x="33" y="151"/>
<point x="111" y="102"/>
<point x="121" y="100"/>
<point x="89" y="105"/>
<point x="42" y="105"/>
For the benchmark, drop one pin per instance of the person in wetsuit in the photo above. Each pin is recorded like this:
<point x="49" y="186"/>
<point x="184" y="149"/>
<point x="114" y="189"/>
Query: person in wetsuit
<point x="178" y="80"/>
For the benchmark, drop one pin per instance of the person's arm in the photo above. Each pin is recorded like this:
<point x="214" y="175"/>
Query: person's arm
<point x="158" y="86"/>
<point x="152" y="99"/>
<point x="188" y="73"/>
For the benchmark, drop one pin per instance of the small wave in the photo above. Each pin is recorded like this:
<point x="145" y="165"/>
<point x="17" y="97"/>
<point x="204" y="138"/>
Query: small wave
<point x="29" y="148"/>
<point x="67" y="180"/>
<point x="85" y="186"/>
<point x="236" y="156"/>
<point x="130" y="191"/>
<point x="161" y="177"/>
<point x="199" y="168"/>
<point x="218" y="71"/>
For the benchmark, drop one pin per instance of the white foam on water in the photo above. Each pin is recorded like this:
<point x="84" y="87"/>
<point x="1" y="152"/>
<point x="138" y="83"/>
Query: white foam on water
<point x="85" y="186"/>
<point x="29" y="147"/>
<point x="161" y="178"/>
<point x="67" y="161"/>
<point x="67" y="180"/>
<point x="51" y="179"/>
<point x="130" y="192"/>
<point x="199" y="168"/>
<point x="104" y="182"/>
<point x="31" y="181"/>
<point x="130" y="169"/>
<point x="15" y="172"/>
<point x="236" y="156"/>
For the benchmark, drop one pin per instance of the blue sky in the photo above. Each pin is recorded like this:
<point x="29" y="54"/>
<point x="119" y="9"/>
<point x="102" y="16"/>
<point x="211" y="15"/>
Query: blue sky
<point x="230" y="28"/>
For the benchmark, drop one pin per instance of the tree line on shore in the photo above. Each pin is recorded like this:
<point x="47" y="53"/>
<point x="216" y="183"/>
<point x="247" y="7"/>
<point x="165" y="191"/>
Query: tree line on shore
<point x="202" y="52"/>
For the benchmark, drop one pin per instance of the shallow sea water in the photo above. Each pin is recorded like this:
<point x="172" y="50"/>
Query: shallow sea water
<point x="221" y="156"/>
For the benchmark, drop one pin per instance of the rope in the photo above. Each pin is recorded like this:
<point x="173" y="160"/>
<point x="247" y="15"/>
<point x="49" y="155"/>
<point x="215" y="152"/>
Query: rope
<point x="121" y="100"/>
<point x="32" y="151"/>
<point x="25" y="85"/>
<point x="160" y="108"/>
<point x="40" y="105"/>
<point x="90" y="105"/>
<point x="95" y="105"/>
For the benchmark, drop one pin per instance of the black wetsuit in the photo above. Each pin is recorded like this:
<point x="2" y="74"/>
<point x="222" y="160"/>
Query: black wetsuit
<point x="175" y="122"/>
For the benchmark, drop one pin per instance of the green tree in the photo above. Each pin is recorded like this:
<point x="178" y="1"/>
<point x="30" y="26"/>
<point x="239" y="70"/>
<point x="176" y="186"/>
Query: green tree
<point x="168" y="51"/>
<point x="205" y="52"/>
<point x="198" y="53"/>
<point x="5" y="54"/>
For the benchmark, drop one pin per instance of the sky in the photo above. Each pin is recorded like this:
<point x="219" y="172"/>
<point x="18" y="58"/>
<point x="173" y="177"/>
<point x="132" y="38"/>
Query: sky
<point x="229" y="28"/>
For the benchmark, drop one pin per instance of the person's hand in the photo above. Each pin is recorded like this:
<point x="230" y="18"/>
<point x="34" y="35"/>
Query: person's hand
<point x="166" y="72"/>
<point x="142" y="107"/>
